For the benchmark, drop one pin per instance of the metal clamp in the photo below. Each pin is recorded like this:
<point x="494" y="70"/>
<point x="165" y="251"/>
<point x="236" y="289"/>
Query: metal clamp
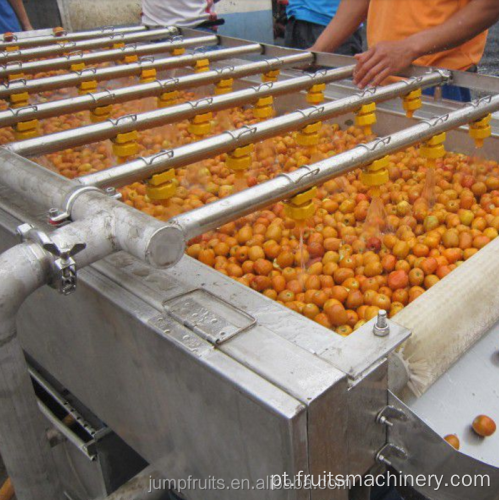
<point x="63" y="265"/>
<point x="59" y="216"/>
<point x="387" y="451"/>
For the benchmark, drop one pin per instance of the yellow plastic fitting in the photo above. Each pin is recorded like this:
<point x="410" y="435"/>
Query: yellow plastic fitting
<point x="315" y="95"/>
<point x="19" y="100"/>
<point x="301" y="206"/>
<point x="201" y="125"/>
<point x="241" y="158"/>
<point x="480" y="130"/>
<point x="201" y="66"/>
<point x="118" y="45"/>
<point x="309" y="135"/>
<point x="12" y="48"/>
<point x="131" y="58"/>
<point x="376" y="174"/>
<point x="148" y="75"/>
<point x="59" y="31"/>
<point x="77" y="66"/>
<point x="366" y="117"/>
<point x="178" y="52"/>
<point x="271" y="76"/>
<point x="264" y="108"/>
<point x="433" y="148"/>
<point x="26" y="130"/>
<point x="87" y="87"/>
<point x="168" y="99"/>
<point x="412" y="102"/>
<point x="224" y="86"/>
<point x="161" y="186"/>
<point x="100" y="114"/>
<point x="125" y="145"/>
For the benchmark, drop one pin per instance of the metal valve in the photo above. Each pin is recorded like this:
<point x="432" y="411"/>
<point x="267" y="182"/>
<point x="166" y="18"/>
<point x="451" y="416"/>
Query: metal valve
<point x="64" y="275"/>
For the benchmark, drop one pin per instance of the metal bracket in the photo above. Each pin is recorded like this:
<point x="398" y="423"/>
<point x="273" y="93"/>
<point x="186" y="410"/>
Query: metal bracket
<point x="58" y="216"/>
<point x="389" y="450"/>
<point x="390" y="412"/>
<point x="63" y="265"/>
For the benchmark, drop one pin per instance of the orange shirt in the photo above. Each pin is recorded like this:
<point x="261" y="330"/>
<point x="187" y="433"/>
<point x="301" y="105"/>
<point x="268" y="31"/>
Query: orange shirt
<point x="392" y="20"/>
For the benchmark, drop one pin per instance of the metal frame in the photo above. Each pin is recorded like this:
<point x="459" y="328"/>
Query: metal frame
<point x="287" y="394"/>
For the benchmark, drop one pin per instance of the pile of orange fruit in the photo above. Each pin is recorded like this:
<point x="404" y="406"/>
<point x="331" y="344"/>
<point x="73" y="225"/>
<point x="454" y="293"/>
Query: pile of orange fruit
<point x="335" y="269"/>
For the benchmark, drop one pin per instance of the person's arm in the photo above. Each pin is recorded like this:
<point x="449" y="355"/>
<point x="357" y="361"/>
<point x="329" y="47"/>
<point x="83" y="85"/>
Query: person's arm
<point x="21" y="14"/>
<point x="389" y="58"/>
<point x="349" y="17"/>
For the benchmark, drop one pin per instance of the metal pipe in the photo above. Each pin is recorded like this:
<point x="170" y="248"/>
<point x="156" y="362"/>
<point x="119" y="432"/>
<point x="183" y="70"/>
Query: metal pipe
<point x="151" y="119"/>
<point x="190" y="153"/>
<point x="25" y="451"/>
<point x="24" y="269"/>
<point x="60" y="107"/>
<point x="31" y="67"/>
<point x="36" y="41"/>
<point x="286" y="185"/>
<point x="96" y="43"/>
<point x="134" y="232"/>
<point x="74" y="78"/>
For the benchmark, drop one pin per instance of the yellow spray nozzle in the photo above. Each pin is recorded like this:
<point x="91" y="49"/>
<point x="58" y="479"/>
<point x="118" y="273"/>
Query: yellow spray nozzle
<point x="366" y="117"/>
<point x="309" y="136"/>
<point x="480" y="130"/>
<point x="19" y="100"/>
<point x="101" y="113"/>
<point x="412" y="102"/>
<point x="224" y="86"/>
<point x="241" y="158"/>
<point x="118" y="45"/>
<point x="168" y="99"/>
<point x="376" y="174"/>
<point x="87" y="87"/>
<point x="148" y="75"/>
<point x="315" y="95"/>
<point x="201" y="66"/>
<point x="264" y="108"/>
<point x="434" y="148"/>
<point x="301" y="206"/>
<point x="26" y="130"/>
<point x="178" y="52"/>
<point x="130" y="58"/>
<point x="201" y="125"/>
<point x="161" y="186"/>
<point x="271" y="76"/>
<point x="125" y="145"/>
<point x="77" y="66"/>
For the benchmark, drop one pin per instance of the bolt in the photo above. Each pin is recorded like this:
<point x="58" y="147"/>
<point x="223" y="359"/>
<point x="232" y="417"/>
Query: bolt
<point x="381" y="328"/>
<point x="110" y="191"/>
<point x="53" y="212"/>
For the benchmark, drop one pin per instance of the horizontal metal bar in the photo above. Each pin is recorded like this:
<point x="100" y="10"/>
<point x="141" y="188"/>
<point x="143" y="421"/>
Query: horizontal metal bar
<point x="32" y="67"/>
<point x="286" y="185"/>
<point x="89" y="101"/>
<point x="151" y="119"/>
<point x="36" y="41"/>
<point x="96" y="43"/>
<point x="190" y="153"/>
<point x="124" y="70"/>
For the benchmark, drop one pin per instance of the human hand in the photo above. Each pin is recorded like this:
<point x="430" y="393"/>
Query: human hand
<point x="382" y="61"/>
